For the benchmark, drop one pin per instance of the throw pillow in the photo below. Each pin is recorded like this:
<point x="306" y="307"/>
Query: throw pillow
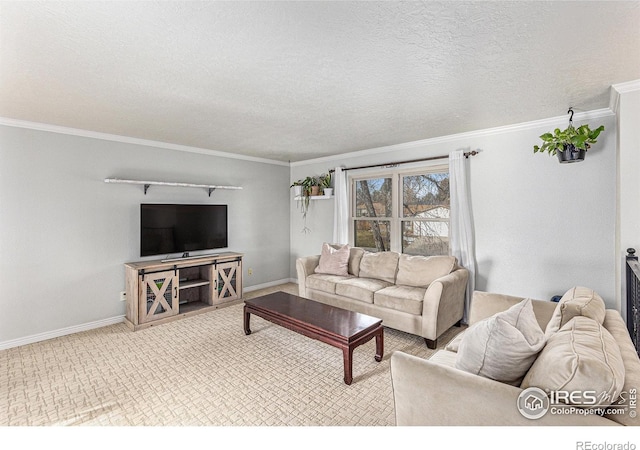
<point x="354" y="258"/>
<point x="581" y="356"/>
<point x="334" y="261"/>
<point x="504" y="346"/>
<point x="577" y="301"/>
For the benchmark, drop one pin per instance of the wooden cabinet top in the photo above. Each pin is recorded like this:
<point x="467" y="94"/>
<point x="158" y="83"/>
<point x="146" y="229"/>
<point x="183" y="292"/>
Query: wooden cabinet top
<point x="183" y="262"/>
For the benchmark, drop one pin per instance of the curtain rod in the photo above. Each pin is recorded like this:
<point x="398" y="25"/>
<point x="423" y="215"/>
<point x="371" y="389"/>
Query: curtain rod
<point x="466" y="155"/>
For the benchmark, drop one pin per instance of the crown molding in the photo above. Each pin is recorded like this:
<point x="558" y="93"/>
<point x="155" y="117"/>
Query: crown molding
<point x="621" y="88"/>
<point x="585" y="115"/>
<point x="628" y="86"/>
<point x="552" y="121"/>
<point x="131" y="140"/>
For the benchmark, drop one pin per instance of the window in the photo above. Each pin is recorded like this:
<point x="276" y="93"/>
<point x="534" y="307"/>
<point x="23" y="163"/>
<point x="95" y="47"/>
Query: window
<point x="373" y="204"/>
<point x="406" y="212"/>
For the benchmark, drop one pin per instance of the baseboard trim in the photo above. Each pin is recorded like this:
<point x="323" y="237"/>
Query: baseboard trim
<point x="270" y="284"/>
<point x="105" y="322"/>
<point x="60" y="332"/>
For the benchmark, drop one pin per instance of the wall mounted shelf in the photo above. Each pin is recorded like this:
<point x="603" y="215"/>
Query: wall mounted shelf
<point x="315" y="197"/>
<point x="147" y="184"/>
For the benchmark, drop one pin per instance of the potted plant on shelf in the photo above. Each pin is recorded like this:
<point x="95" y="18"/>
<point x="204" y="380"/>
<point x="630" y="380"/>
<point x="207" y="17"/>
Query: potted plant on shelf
<point x="325" y="184"/>
<point x="315" y="186"/>
<point x="297" y="188"/>
<point x="571" y="144"/>
<point x="306" y="186"/>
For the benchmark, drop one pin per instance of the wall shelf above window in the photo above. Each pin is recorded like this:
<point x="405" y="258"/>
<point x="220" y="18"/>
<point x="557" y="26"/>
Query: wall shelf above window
<point x="147" y="184"/>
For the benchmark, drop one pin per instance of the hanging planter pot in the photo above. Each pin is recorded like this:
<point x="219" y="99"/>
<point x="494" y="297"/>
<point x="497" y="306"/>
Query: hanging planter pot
<point x="571" y="144"/>
<point x="571" y="154"/>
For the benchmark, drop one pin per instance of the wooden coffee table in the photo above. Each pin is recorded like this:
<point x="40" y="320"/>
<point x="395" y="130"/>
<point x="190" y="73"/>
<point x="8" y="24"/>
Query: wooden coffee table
<point x="335" y="326"/>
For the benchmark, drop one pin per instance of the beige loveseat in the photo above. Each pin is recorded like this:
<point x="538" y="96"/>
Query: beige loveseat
<point x="415" y="294"/>
<point x="435" y="392"/>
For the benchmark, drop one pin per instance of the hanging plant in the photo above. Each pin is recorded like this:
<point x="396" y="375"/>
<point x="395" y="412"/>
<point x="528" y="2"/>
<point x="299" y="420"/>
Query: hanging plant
<point x="571" y="144"/>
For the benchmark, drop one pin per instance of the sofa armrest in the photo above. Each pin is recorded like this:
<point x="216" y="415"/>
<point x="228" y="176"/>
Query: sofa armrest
<point x="486" y="304"/>
<point x="305" y="266"/>
<point x="426" y="393"/>
<point x="443" y="304"/>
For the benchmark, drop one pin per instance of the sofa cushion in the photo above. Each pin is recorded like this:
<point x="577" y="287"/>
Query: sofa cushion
<point x="334" y="261"/>
<point x="402" y="298"/>
<point x="577" y="301"/>
<point x="380" y="265"/>
<point x="360" y="288"/>
<point x="324" y="282"/>
<point x="504" y="346"/>
<point x="423" y="270"/>
<point x="581" y="356"/>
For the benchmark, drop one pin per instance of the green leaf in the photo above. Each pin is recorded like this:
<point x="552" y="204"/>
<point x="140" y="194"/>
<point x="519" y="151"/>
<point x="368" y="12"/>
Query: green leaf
<point x="595" y="133"/>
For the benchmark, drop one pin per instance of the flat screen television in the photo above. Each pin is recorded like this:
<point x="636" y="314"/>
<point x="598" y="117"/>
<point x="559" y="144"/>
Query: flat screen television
<point x="178" y="228"/>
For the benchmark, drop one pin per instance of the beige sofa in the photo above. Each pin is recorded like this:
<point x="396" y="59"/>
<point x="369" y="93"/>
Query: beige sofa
<point x="415" y="294"/>
<point x="435" y="392"/>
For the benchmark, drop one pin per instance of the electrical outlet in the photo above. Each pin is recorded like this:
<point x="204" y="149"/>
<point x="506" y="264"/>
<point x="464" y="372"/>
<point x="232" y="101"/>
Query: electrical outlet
<point x="250" y="271"/>
<point x="123" y="296"/>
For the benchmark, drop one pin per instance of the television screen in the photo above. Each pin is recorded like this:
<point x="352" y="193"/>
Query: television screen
<point x="178" y="228"/>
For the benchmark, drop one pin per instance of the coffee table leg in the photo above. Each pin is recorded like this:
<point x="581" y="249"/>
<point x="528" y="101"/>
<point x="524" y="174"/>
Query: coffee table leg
<point x="347" y="356"/>
<point x="379" y="345"/>
<point x="247" y="318"/>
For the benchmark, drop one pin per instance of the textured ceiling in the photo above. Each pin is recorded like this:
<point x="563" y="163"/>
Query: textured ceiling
<point x="291" y="81"/>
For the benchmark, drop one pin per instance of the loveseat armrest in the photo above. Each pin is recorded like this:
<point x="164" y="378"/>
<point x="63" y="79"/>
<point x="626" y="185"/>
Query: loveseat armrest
<point x="443" y="304"/>
<point x="305" y="266"/>
<point x="427" y="393"/>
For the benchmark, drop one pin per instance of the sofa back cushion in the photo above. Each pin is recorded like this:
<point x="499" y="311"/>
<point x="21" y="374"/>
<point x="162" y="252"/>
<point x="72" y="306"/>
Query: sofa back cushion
<point x="421" y="271"/>
<point x="581" y="356"/>
<point x="504" y="346"/>
<point x="381" y="266"/>
<point x="577" y="301"/>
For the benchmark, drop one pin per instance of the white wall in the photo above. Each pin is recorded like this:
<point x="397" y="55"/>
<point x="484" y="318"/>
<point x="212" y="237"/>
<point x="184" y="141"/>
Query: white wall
<point x="541" y="227"/>
<point x="628" y="113"/>
<point x="65" y="234"/>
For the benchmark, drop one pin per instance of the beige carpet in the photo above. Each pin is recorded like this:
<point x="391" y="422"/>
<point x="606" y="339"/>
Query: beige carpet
<point x="200" y="370"/>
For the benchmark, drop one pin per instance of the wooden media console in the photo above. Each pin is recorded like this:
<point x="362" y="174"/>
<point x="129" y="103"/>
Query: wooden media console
<point x="160" y="291"/>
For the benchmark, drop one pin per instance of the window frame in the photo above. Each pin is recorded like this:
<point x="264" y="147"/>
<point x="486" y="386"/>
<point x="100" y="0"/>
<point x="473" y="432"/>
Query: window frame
<point x="397" y="218"/>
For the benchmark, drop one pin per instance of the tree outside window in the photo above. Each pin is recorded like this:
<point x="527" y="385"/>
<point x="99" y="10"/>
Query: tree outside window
<point x="373" y="201"/>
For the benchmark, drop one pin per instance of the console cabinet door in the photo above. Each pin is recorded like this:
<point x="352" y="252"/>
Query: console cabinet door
<point x="158" y="295"/>
<point x="228" y="282"/>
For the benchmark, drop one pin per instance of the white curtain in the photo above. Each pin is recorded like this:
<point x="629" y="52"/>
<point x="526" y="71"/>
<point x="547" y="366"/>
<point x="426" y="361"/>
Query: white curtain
<point x="461" y="222"/>
<point x="340" y="208"/>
